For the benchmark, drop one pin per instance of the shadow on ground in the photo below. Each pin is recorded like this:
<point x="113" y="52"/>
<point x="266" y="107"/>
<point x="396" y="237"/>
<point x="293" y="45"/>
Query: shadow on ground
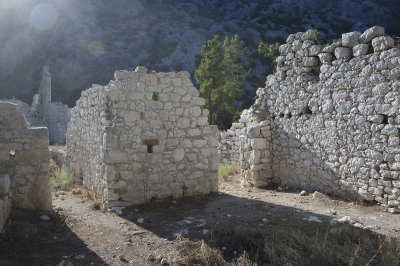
<point x="27" y="240"/>
<point x="233" y="224"/>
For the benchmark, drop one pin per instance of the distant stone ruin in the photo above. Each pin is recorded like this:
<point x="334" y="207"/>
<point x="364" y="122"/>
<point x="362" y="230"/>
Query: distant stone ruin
<point x="334" y="116"/>
<point x="143" y="136"/>
<point x="45" y="113"/>
<point x="24" y="164"/>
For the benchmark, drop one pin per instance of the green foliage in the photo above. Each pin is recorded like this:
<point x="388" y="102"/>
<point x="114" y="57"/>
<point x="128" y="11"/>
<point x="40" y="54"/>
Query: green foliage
<point x="269" y="51"/>
<point x="221" y="76"/>
<point x="226" y="170"/>
<point x="154" y="97"/>
<point x="60" y="177"/>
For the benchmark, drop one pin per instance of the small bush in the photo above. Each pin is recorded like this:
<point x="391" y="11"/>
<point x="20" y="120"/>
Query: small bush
<point x="60" y="177"/>
<point x="226" y="170"/>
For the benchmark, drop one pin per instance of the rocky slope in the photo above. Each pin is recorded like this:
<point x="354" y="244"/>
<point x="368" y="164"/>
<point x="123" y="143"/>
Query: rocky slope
<point x="84" y="42"/>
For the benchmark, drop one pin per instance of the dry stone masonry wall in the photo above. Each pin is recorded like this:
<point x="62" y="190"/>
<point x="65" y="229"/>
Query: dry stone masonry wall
<point x="24" y="163"/>
<point x="335" y="115"/>
<point x="228" y="144"/>
<point x="45" y="113"/>
<point x="143" y="136"/>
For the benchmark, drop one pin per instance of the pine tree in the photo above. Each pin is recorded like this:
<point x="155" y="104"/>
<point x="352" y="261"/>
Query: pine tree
<point x="222" y="75"/>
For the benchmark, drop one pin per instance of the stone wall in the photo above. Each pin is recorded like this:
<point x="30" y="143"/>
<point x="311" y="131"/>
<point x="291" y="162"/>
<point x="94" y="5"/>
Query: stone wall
<point x="24" y="161"/>
<point x="143" y="136"/>
<point x="335" y="116"/>
<point x="228" y="144"/>
<point x="45" y="113"/>
<point x="5" y="199"/>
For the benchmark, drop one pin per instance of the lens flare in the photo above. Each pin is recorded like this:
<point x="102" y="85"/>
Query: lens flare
<point x="95" y="49"/>
<point x="43" y="16"/>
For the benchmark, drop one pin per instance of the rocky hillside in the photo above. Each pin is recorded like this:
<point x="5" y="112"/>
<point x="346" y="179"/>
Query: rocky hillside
<point x="84" y="42"/>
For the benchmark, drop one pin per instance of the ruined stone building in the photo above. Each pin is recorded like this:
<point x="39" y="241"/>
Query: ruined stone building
<point x="143" y="136"/>
<point x="24" y="164"/>
<point x="45" y="113"/>
<point x="328" y="120"/>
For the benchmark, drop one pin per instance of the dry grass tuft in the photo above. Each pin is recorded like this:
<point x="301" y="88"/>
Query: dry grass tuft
<point x="226" y="170"/>
<point x="295" y="242"/>
<point x="60" y="177"/>
<point x="187" y="252"/>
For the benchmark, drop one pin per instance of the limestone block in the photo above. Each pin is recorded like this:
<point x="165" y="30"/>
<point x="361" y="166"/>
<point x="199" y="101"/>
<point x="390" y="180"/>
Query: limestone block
<point x="280" y="75"/>
<point x="310" y="61"/>
<point x="309" y="35"/>
<point x="116" y="156"/>
<point x="331" y="48"/>
<point x="382" y="43"/>
<point x="314" y="50"/>
<point x="360" y="49"/>
<point x="198" y="101"/>
<point x="253" y="132"/>
<point x="259" y="143"/>
<point x="41" y="193"/>
<point x="371" y="33"/>
<point x="296" y="45"/>
<point x="343" y="53"/>
<point x="350" y="39"/>
<point x="284" y="49"/>
<point x="325" y="58"/>
<point x="179" y="154"/>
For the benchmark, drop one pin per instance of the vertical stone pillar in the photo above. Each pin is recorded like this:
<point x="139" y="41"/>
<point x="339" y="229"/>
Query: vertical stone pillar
<point x="255" y="155"/>
<point x="45" y="94"/>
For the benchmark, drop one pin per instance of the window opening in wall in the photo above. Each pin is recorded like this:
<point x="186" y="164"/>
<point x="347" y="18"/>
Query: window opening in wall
<point x="281" y="115"/>
<point x="306" y="111"/>
<point x="141" y="115"/>
<point x="385" y="120"/>
<point x="149" y="148"/>
<point x="289" y="115"/>
<point x="150" y="143"/>
<point x="154" y="97"/>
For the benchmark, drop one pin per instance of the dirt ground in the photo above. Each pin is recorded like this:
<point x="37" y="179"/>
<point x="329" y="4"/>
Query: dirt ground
<point x="79" y="233"/>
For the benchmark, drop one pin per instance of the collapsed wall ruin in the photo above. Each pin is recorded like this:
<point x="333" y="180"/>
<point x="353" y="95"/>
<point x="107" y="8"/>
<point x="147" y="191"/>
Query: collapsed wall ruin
<point x="334" y="112"/>
<point x="45" y="113"/>
<point x="24" y="164"/>
<point x="143" y="136"/>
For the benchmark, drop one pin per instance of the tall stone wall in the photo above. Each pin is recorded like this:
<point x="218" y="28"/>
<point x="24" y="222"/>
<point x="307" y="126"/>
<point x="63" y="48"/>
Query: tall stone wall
<point x="335" y="115"/>
<point x="229" y="144"/>
<point x="24" y="163"/>
<point x="143" y="136"/>
<point x="45" y="113"/>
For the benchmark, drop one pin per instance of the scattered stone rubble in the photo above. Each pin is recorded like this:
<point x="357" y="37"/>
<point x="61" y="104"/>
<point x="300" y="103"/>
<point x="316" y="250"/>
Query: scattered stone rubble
<point x="334" y="114"/>
<point x="24" y="164"/>
<point x="143" y="136"/>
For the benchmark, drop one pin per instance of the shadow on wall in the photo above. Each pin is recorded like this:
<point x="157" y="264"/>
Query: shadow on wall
<point x="29" y="241"/>
<point x="298" y="167"/>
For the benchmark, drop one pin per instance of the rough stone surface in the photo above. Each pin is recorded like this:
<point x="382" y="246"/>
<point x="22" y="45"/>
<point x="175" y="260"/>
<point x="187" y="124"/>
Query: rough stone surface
<point x="350" y="39"/>
<point x="24" y="163"/>
<point x="360" y="49"/>
<point x="371" y="33"/>
<point x="382" y="43"/>
<point x="143" y="136"/>
<point x="343" y="53"/>
<point x="337" y="131"/>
